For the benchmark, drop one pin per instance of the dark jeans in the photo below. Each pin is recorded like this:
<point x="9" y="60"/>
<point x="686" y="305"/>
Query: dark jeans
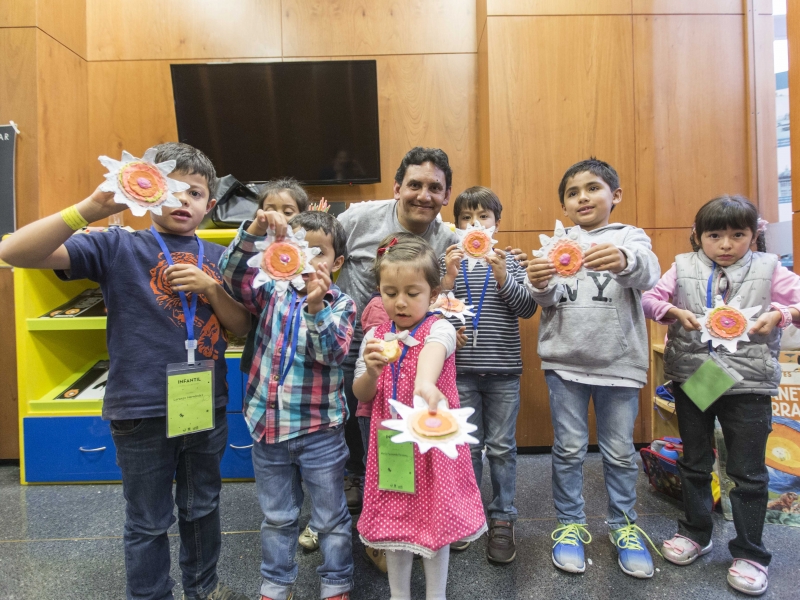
<point x="746" y="421"/>
<point x="352" y="432"/>
<point x="149" y="462"/>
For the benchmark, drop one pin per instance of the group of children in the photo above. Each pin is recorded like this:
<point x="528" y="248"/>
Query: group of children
<point x="592" y="341"/>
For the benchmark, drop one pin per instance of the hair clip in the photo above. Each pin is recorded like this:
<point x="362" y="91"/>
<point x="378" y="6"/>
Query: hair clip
<point x="382" y="250"/>
<point x="762" y="225"/>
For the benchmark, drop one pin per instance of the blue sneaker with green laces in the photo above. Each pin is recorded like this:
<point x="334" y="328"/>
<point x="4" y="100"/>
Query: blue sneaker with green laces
<point x="634" y="558"/>
<point x="568" y="548"/>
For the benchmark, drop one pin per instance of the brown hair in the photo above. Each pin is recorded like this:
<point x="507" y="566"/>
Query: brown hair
<point x="402" y="247"/>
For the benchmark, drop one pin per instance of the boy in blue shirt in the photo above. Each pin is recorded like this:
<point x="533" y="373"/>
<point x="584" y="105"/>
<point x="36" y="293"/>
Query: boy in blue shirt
<point x="146" y="331"/>
<point x="489" y="366"/>
<point x="593" y="343"/>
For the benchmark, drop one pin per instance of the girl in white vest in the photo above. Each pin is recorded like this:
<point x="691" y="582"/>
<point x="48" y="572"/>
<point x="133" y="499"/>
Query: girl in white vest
<point x="724" y="265"/>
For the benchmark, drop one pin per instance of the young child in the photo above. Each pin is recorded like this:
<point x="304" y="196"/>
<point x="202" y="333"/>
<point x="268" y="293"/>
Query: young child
<point x="593" y="343"/>
<point x="147" y="331"/>
<point x="724" y="265"/>
<point x="287" y="197"/>
<point x="302" y="338"/>
<point x="488" y="371"/>
<point x="446" y="504"/>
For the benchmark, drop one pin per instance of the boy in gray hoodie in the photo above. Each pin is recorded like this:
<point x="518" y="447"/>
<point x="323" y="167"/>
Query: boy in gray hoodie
<point x="593" y="344"/>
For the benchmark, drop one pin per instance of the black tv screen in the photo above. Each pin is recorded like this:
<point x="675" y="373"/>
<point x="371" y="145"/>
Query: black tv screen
<point x="314" y="121"/>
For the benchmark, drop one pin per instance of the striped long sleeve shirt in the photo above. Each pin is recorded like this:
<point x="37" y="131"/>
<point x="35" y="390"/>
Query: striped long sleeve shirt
<point x="498" y="349"/>
<point x="313" y="391"/>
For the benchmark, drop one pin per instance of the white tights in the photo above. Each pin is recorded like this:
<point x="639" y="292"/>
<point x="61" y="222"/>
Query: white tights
<point x="399" y="562"/>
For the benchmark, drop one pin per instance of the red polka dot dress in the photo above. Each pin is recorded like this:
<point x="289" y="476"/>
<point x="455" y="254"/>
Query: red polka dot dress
<point x="446" y="506"/>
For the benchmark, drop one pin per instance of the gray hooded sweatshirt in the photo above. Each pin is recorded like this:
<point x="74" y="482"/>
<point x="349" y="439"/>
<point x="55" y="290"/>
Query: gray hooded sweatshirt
<point x="596" y="326"/>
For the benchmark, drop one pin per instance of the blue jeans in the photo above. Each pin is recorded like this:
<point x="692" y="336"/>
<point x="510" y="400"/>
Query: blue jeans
<point x="149" y="462"/>
<point x="495" y="399"/>
<point x="616" y="409"/>
<point x="321" y="456"/>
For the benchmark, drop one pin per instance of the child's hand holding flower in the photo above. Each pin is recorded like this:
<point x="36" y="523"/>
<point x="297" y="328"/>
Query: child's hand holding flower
<point x="268" y="219"/>
<point x="540" y="271"/>
<point x="431" y="394"/>
<point x="605" y="257"/>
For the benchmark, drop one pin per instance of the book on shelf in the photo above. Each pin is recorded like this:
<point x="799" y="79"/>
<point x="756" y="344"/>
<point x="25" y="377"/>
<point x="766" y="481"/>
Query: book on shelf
<point x="89" y="303"/>
<point x="90" y="386"/>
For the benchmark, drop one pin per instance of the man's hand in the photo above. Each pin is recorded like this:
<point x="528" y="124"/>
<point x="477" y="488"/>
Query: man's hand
<point x="605" y="257"/>
<point x="540" y="271"/>
<point x="373" y="357"/>
<point x="188" y="278"/>
<point x="685" y="317"/>
<point x="497" y="263"/>
<point x="269" y="219"/>
<point x="461" y="338"/>
<point x="317" y="285"/>
<point x="431" y="394"/>
<point x="766" y="323"/>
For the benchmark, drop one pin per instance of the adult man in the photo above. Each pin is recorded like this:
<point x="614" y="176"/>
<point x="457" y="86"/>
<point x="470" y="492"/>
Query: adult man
<point x="422" y="186"/>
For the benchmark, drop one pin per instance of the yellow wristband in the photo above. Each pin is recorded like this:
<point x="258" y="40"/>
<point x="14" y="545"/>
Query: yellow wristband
<point x="73" y="218"/>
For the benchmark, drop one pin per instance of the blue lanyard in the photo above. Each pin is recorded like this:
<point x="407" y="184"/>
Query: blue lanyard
<point x="709" y="294"/>
<point x="292" y="328"/>
<point x="396" y="366"/>
<point x="189" y="310"/>
<point x="476" y="319"/>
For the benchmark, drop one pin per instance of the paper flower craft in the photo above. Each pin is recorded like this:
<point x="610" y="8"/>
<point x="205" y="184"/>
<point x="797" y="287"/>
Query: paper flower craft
<point x="726" y="324"/>
<point x="284" y="262"/>
<point x="450" y="306"/>
<point x="565" y="250"/>
<point x="141" y="183"/>
<point x="476" y="242"/>
<point x="444" y="430"/>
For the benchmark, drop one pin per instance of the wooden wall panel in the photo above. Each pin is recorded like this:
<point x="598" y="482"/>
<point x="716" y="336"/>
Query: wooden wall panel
<point x="17" y="13"/>
<point x="484" y="121"/>
<point x="64" y="20"/>
<point x="558" y="7"/>
<point x="355" y="27"/>
<point x="9" y="430"/>
<point x="553" y="103"/>
<point x="187" y="29"/>
<point x="793" y="35"/>
<point x="63" y="126"/>
<point x="691" y="119"/>
<point x="766" y="135"/>
<point x="687" y="7"/>
<point x="121" y="119"/>
<point x="18" y="93"/>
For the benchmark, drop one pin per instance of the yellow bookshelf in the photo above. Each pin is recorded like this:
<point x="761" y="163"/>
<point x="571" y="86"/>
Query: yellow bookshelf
<point x="51" y="355"/>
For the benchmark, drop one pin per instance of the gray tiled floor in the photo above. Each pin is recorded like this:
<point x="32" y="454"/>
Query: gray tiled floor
<point x="63" y="542"/>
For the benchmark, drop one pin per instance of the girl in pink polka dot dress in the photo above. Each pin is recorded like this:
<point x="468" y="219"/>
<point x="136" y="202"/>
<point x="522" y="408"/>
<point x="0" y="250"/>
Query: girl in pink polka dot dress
<point x="446" y="504"/>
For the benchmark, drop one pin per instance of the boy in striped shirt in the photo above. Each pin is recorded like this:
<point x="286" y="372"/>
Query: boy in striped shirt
<point x="302" y="338"/>
<point x="489" y="366"/>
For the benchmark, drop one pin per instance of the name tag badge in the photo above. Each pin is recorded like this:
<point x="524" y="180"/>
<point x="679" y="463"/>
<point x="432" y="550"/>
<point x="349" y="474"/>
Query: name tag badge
<point x="190" y="397"/>
<point x="711" y="380"/>
<point x="395" y="463"/>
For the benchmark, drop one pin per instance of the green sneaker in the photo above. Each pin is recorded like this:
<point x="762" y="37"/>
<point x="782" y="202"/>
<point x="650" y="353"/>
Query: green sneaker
<point x="568" y="547"/>
<point x="634" y="558"/>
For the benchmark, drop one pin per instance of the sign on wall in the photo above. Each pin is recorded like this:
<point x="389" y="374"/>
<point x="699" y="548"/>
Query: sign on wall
<point x="8" y="142"/>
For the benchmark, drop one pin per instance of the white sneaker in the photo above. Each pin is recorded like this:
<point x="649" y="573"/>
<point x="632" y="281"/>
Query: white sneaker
<point x="748" y="577"/>
<point x="309" y="539"/>
<point x="682" y="551"/>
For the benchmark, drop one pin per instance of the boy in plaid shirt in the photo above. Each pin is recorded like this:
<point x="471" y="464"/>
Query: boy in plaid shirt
<point x="304" y="429"/>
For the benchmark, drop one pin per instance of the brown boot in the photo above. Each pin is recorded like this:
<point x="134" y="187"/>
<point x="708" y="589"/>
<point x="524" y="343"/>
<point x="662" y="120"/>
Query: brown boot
<point x="501" y="547"/>
<point x="377" y="558"/>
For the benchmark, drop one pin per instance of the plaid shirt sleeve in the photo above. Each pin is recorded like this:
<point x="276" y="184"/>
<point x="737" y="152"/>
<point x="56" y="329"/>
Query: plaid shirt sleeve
<point x="238" y="276"/>
<point x="331" y="329"/>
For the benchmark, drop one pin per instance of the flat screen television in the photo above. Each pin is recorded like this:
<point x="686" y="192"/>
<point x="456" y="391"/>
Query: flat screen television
<point x="314" y="121"/>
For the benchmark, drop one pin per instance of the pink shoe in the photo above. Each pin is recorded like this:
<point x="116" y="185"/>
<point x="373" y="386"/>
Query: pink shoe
<point x="748" y="577"/>
<point x="345" y="596"/>
<point x="682" y="551"/>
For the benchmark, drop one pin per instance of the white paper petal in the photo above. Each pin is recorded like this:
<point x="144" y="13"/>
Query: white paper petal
<point x="255" y="260"/>
<point x="110" y="164"/>
<point x="150" y="156"/>
<point x="298" y="283"/>
<point x="127" y="157"/>
<point x="260" y="279"/>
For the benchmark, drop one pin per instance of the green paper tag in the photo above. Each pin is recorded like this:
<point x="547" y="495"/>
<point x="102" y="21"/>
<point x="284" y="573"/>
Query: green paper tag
<point x="709" y="382"/>
<point x="395" y="463"/>
<point x="190" y="398"/>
